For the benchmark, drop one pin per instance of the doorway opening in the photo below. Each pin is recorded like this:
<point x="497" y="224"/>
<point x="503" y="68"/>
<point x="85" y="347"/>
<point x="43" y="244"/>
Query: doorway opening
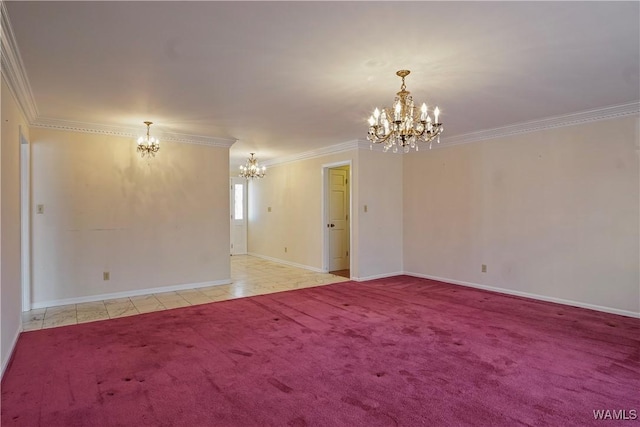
<point x="238" y="199"/>
<point x="337" y="218"/>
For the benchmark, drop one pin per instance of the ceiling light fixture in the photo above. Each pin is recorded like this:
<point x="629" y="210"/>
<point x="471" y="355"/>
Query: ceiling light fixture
<point x="403" y="126"/>
<point x="252" y="169"/>
<point x="148" y="145"/>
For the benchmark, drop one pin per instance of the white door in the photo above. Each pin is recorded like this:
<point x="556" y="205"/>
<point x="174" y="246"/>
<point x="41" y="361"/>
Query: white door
<point x="338" y="219"/>
<point x="238" y="216"/>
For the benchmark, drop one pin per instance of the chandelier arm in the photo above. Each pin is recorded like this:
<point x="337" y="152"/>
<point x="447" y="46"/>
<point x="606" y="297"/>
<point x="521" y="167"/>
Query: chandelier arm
<point x="379" y="139"/>
<point x="424" y="129"/>
<point x="382" y="135"/>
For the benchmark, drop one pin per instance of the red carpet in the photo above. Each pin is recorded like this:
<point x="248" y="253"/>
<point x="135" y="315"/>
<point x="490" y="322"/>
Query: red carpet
<point x="398" y="351"/>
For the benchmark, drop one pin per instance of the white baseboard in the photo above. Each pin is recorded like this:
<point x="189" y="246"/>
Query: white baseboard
<point x="125" y="294"/>
<point x="282" y="261"/>
<point x="377" y="276"/>
<point x="529" y="295"/>
<point x="5" y="362"/>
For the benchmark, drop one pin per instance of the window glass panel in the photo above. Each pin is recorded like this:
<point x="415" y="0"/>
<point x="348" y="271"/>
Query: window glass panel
<point x="239" y="201"/>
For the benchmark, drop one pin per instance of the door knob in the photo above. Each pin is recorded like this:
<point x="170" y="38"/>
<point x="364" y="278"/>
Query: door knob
<point x="333" y="225"/>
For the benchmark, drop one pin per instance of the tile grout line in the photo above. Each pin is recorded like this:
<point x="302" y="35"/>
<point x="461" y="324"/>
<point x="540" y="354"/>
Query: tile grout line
<point x="268" y="277"/>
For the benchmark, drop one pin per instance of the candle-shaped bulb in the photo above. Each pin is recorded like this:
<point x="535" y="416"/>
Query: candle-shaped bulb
<point x="398" y="109"/>
<point x="436" y="113"/>
<point x="423" y="110"/>
<point x="376" y="114"/>
<point x="372" y="121"/>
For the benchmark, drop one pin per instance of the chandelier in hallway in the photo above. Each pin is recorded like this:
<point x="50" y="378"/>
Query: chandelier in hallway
<point x="403" y="126"/>
<point x="252" y="169"/>
<point x="148" y="145"/>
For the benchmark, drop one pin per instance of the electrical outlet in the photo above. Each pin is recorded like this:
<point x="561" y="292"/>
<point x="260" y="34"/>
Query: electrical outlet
<point x="484" y="268"/>
<point x="285" y="249"/>
<point x="366" y="208"/>
<point x="105" y="275"/>
<point x="269" y="209"/>
<point x="40" y="209"/>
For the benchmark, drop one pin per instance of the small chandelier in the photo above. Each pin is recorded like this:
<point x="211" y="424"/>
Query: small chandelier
<point x="148" y="145"/>
<point x="252" y="169"/>
<point x="403" y="126"/>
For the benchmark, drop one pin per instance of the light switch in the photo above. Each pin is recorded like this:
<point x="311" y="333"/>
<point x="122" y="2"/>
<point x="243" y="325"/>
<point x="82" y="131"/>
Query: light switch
<point x="269" y="209"/>
<point x="40" y="209"/>
<point x="365" y="208"/>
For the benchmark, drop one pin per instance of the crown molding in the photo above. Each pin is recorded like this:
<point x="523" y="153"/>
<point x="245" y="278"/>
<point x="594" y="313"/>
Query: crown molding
<point x="356" y="144"/>
<point x="13" y="71"/>
<point x="319" y="152"/>
<point x="366" y="145"/>
<point x="93" y="128"/>
<point x="606" y="113"/>
<point x="363" y="144"/>
<point x="198" y="139"/>
<point x="13" y="68"/>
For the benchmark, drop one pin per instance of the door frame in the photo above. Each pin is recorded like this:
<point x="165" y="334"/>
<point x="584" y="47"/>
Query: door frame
<point x="245" y="205"/>
<point x="325" y="213"/>
<point x="25" y="219"/>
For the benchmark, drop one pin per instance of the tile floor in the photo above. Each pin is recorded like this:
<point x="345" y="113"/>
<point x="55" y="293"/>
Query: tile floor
<point x="250" y="276"/>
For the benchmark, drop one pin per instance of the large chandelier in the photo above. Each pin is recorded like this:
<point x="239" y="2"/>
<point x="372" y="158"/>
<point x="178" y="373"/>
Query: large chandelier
<point x="402" y="126"/>
<point x="148" y="145"/>
<point x="252" y="169"/>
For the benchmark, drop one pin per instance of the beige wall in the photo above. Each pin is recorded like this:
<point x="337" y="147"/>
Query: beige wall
<point x="149" y="222"/>
<point x="10" y="269"/>
<point x="380" y="228"/>
<point x="552" y="213"/>
<point x="294" y="191"/>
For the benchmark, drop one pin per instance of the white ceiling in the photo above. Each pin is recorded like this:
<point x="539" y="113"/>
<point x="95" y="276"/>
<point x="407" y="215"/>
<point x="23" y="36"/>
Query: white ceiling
<point x="288" y="77"/>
